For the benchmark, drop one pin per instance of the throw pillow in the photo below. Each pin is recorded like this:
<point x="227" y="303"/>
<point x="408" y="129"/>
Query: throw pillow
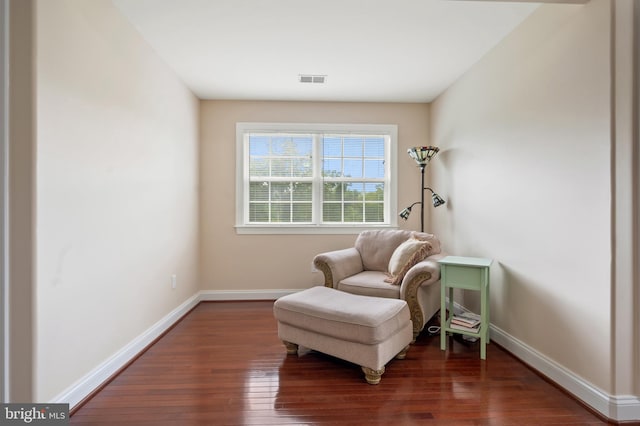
<point x="404" y="257"/>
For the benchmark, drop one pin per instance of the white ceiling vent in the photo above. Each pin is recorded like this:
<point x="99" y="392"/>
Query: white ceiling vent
<point x="310" y="78"/>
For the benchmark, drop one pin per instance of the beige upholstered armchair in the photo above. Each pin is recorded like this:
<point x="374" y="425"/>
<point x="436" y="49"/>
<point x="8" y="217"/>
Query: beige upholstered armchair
<point x="365" y="269"/>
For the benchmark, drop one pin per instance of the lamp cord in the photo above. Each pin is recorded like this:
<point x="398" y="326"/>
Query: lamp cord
<point x="433" y="330"/>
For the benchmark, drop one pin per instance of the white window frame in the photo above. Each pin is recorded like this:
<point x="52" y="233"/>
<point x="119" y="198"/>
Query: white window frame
<point x="242" y="177"/>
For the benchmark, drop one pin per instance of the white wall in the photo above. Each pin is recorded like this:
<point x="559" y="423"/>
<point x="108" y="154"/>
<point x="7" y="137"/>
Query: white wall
<point x="526" y="168"/>
<point x="117" y="196"/>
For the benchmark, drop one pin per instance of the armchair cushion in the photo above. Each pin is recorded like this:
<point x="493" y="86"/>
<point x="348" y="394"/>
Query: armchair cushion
<point x="377" y="246"/>
<point x="369" y="283"/>
<point x="404" y="257"/>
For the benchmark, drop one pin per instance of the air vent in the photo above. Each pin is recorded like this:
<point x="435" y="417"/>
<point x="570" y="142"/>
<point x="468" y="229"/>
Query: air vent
<point x="311" y="78"/>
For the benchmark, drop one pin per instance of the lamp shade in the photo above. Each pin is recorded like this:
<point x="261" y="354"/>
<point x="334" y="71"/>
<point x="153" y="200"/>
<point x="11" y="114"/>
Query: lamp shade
<point x="437" y="200"/>
<point x="422" y="154"/>
<point x="404" y="214"/>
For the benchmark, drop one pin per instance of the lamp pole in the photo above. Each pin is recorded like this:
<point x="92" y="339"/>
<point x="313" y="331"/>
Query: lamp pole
<point x="422" y="167"/>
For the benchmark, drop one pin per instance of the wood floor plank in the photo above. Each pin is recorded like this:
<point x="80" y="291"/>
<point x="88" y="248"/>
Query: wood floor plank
<point x="223" y="364"/>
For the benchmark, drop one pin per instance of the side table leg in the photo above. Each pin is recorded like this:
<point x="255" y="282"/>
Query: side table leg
<point x="487" y="303"/>
<point x="484" y="314"/>
<point x="443" y="318"/>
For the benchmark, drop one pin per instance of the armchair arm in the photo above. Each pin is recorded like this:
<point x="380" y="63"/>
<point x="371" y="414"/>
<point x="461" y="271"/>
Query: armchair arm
<point x="422" y="273"/>
<point x="337" y="265"/>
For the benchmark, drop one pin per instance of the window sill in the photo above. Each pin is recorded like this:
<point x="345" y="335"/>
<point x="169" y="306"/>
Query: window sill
<point x="307" y="229"/>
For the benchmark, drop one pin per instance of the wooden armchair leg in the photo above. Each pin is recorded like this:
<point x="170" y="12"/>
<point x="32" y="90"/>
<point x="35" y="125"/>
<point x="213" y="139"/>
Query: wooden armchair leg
<point x="403" y="353"/>
<point x="292" y="348"/>
<point x="372" y="376"/>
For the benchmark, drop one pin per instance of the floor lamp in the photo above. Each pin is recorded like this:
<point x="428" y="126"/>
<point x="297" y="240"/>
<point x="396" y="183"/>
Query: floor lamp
<point x="422" y="155"/>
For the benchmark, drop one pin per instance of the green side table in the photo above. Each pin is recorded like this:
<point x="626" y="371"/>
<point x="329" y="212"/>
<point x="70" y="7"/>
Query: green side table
<point x="467" y="273"/>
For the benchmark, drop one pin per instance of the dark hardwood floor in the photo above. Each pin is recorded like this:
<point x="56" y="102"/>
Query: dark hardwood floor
<point x="224" y="365"/>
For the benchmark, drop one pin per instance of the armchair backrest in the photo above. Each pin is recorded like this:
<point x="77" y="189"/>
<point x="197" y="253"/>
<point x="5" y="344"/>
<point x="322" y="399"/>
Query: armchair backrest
<point x="377" y="246"/>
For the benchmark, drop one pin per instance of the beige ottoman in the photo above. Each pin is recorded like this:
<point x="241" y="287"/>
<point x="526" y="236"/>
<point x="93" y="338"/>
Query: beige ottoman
<point x="368" y="331"/>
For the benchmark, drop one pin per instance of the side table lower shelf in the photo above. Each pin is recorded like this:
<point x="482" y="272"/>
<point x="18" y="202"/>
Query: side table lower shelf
<point x="477" y="334"/>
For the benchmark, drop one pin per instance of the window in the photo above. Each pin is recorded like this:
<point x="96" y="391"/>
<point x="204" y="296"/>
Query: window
<point x="296" y="178"/>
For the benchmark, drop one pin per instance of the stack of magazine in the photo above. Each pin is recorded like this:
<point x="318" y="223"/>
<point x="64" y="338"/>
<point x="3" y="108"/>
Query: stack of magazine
<point x="466" y="321"/>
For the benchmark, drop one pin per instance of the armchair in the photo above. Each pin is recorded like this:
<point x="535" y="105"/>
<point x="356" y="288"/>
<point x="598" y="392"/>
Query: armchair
<point x="362" y="269"/>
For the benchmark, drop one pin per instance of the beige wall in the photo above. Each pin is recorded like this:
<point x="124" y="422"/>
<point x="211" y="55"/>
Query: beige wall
<point x="626" y="294"/>
<point x="257" y="262"/>
<point x="636" y="291"/>
<point x="526" y="165"/>
<point x="117" y="197"/>
<point x="21" y="194"/>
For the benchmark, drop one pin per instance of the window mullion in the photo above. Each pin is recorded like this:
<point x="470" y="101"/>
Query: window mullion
<point x="317" y="187"/>
<point x="386" y="196"/>
<point x="342" y="177"/>
<point x="246" y="178"/>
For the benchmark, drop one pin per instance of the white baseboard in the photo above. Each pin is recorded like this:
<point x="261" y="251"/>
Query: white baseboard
<point x="619" y="408"/>
<point x="95" y="378"/>
<point x="221" y="295"/>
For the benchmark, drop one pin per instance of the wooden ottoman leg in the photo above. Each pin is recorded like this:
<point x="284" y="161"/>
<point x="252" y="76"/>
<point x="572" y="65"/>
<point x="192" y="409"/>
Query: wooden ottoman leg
<point x="372" y="376"/>
<point x="292" y="348"/>
<point x="403" y="353"/>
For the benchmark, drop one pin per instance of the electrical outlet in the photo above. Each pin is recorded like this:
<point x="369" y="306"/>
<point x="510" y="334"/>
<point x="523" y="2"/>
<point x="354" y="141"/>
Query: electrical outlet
<point x="174" y="281"/>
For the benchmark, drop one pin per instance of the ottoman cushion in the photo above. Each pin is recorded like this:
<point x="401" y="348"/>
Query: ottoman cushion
<point x="345" y="316"/>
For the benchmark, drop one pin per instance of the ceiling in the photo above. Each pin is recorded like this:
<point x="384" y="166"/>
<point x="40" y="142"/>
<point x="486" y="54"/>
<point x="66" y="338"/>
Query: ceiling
<point x="369" y="50"/>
